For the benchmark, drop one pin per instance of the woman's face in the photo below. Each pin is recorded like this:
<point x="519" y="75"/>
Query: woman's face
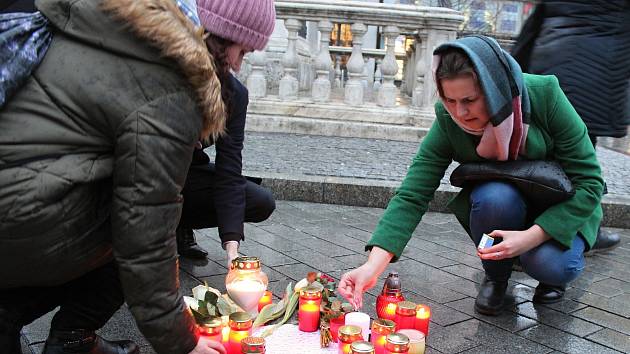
<point x="465" y="101"/>
<point x="235" y="53"/>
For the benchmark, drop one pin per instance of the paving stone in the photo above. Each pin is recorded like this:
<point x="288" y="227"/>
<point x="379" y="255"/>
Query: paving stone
<point x="566" y="306"/>
<point x="556" y="319"/>
<point x="621" y="308"/>
<point x="296" y="272"/>
<point x="273" y="241"/>
<point x="463" y="258"/>
<point x="422" y="244"/>
<point x="464" y="286"/>
<point x="428" y="258"/>
<point x="466" y="272"/>
<point x="606" y="319"/>
<point x="267" y="255"/>
<point x="201" y="268"/>
<point x="613" y="339"/>
<point x="317" y="261"/>
<point x="433" y="291"/>
<point x="411" y="269"/>
<point x="506" y="320"/>
<point x="286" y="232"/>
<point x="353" y="260"/>
<point x="440" y="314"/>
<point x="448" y="340"/>
<point x="564" y="342"/>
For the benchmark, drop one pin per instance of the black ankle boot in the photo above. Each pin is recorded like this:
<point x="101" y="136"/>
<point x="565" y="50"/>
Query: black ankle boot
<point x="548" y="294"/>
<point x="9" y="334"/>
<point x="187" y="245"/>
<point x="491" y="297"/>
<point x="85" y="342"/>
<point x="605" y="241"/>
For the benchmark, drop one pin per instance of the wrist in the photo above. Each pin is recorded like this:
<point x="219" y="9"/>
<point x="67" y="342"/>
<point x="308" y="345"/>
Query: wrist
<point x="378" y="259"/>
<point x="538" y="234"/>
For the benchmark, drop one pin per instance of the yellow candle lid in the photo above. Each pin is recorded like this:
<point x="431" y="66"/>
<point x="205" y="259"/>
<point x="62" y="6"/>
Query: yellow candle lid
<point x="311" y="292"/>
<point x="397" y="339"/>
<point x="362" y="347"/>
<point x="383" y="326"/>
<point x="406" y="308"/>
<point x="240" y="320"/>
<point x="212" y="322"/>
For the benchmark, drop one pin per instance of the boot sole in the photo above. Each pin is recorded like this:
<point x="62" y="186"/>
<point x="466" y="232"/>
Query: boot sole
<point x="488" y="312"/>
<point x="595" y="251"/>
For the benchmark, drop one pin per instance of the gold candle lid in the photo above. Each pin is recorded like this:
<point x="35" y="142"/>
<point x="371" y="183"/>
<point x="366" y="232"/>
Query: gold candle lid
<point x="253" y="345"/>
<point x="246" y="263"/>
<point x="361" y="347"/>
<point x="348" y="331"/>
<point x="406" y="308"/>
<point x="398" y="339"/>
<point x="240" y="321"/>
<point x="311" y="292"/>
<point x="211" y="325"/>
<point x="383" y="326"/>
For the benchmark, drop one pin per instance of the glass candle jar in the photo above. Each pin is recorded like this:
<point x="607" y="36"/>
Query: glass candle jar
<point x="212" y="328"/>
<point x="253" y="345"/>
<point x="380" y="329"/>
<point x="335" y="324"/>
<point x="417" y="344"/>
<point x="265" y="300"/>
<point x="246" y="283"/>
<point x="361" y="347"/>
<point x="389" y="297"/>
<point x="308" y="313"/>
<point x="405" y="315"/>
<point x="423" y="315"/>
<point x="397" y="343"/>
<point x="348" y="334"/>
<point x="240" y="328"/>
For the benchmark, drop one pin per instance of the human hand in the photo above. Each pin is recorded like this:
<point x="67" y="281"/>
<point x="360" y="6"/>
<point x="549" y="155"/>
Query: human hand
<point x="231" y="248"/>
<point x="355" y="282"/>
<point x="514" y="243"/>
<point x="207" y="346"/>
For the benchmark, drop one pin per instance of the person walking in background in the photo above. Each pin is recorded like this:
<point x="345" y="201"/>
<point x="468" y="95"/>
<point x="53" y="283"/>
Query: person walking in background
<point x="95" y="144"/>
<point x="489" y="110"/>
<point x="586" y="45"/>
<point x="217" y="194"/>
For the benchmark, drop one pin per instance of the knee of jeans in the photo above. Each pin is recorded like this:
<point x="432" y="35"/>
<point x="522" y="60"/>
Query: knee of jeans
<point x="550" y="268"/>
<point x="499" y="199"/>
<point x="265" y="206"/>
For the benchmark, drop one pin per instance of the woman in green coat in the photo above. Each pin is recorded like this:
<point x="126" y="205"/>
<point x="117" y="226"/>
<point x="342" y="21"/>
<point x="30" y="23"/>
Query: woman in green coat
<point x="489" y="110"/>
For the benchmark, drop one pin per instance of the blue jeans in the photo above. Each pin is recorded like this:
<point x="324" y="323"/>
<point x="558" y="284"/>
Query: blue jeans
<point x="500" y="206"/>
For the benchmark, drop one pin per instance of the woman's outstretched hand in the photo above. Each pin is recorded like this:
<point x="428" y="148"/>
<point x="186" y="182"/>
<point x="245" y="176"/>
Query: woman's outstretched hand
<point x="354" y="283"/>
<point x="514" y="243"/>
<point x="207" y="346"/>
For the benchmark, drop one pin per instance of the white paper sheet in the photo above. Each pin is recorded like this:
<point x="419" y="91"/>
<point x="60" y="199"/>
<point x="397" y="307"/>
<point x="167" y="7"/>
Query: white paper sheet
<point x="288" y="339"/>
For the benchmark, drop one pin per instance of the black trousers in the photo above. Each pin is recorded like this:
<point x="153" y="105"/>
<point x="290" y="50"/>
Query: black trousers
<point x="199" y="211"/>
<point x="86" y="303"/>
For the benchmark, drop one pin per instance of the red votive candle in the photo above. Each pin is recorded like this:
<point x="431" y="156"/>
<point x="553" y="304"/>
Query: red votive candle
<point x="388" y="298"/>
<point x="265" y="300"/>
<point x="335" y="324"/>
<point x="308" y="313"/>
<point x="423" y="315"/>
<point x="348" y="334"/>
<point x="405" y="315"/>
<point x="212" y="328"/>
<point x="397" y="343"/>
<point x="380" y="329"/>
<point x="240" y="328"/>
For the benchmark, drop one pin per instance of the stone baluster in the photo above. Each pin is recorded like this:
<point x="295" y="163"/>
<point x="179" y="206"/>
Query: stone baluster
<point x="338" y="79"/>
<point x="256" y="81"/>
<point x="323" y="64"/>
<point x="418" y="91"/>
<point x="289" y="84"/>
<point x="378" y="76"/>
<point x="389" y="68"/>
<point x="354" y="87"/>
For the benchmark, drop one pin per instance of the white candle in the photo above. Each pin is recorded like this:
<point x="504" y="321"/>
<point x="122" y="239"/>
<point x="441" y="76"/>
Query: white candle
<point x="416" y="340"/>
<point x="360" y="319"/>
<point x="246" y="293"/>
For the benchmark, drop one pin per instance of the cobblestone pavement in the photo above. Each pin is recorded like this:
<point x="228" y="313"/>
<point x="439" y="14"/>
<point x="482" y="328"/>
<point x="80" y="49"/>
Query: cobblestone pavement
<point x="370" y="158"/>
<point x="438" y="268"/>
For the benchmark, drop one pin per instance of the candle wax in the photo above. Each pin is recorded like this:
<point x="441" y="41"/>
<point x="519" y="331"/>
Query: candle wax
<point x="379" y="342"/>
<point x="335" y="323"/>
<point x="264" y="300"/>
<point x="235" y="341"/>
<point x="422" y="319"/>
<point x="246" y="293"/>
<point x="308" y="316"/>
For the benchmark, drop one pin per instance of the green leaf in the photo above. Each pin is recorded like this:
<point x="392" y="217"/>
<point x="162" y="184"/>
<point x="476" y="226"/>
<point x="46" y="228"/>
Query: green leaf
<point x="265" y="315"/>
<point x="199" y="318"/>
<point x="203" y="308"/>
<point x="224" y="307"/>
<point x="211" y="298"/>
<point x="291" y="306"/>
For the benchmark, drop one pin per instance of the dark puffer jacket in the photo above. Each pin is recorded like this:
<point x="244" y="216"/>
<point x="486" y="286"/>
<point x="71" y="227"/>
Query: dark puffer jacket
<point x="94" y="151"/>
<point x="586" y="45"/>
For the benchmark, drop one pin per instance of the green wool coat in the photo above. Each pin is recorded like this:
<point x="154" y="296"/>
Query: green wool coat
<point x="556" y="132"/>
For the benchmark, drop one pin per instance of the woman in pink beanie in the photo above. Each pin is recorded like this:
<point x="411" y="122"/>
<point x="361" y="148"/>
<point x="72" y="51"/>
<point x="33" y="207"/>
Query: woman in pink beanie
<point x="216" y="194"/>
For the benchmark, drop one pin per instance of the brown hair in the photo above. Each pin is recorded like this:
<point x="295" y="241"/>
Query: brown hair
<point x="217" y="46"/>
<point x="453" y="63"/>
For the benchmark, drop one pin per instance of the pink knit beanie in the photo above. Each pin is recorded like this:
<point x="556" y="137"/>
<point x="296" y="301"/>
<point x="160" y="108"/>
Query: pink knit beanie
<point x="246" y="22"/>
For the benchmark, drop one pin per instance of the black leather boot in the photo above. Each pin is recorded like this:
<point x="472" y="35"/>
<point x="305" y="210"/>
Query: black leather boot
<point x="187" y="245"/>
<point x="605" y="241"/>
<point x="85" y="342"/>
<point x="491" y="297"/>
<point x="9" y="333"/>
<point x="548" y="294"/>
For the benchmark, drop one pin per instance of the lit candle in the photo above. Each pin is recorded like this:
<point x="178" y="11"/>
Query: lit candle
<point x="212" y="328"/>
<point x="240" y="328"/>
<point x="308" y="313"/>
<point x="335" y="324"/>
<point x="397" y="343"/>
<point x="389" y="297"/>
<point x="423" y="315"/>
<point x="416" y="340"/>
<point x="380" y="329"/>
<point x="360" y="319"/>
<point x="265" y="300"/>
<point x="361" y="347"/>
<point x="348" y="334"/>
<point x="405" y="315"/>
<point x="253" y="345"/>
<point x="246" y="283"/>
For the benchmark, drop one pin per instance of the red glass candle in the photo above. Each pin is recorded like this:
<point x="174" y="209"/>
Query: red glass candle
<point x="240" y="328"/>
<point x="423" y="315"/>
<point x="212" y="328"/>
<point x="308" y="313"/>
<point x="389" y="297"/>
<point x="405" y="315"/>
<point x="347" y="335"/>
<point x="335" y="324"/>
<point x="253" y="345"/>
<point x="361" y="347"/>
<point x="397" y="343"/>
<point x="265" y="300"/>
<point x="380" y="329"/>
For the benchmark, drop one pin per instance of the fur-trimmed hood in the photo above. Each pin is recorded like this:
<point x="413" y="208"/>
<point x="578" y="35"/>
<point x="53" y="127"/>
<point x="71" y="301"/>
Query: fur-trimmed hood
<point x="161" y="25"/>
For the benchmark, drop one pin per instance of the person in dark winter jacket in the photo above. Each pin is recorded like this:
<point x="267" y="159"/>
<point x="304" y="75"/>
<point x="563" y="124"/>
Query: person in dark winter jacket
<point x="217" y="194"/>
<point x="94" y="150"/>
<point x="17" y="6"/>
<point x="586" y="45"/>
